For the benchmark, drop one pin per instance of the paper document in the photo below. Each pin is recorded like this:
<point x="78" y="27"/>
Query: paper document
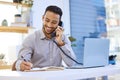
<point x="51" y="68"/>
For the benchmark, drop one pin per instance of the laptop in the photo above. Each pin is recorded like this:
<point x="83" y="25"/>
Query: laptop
<point x="95" y="53"/>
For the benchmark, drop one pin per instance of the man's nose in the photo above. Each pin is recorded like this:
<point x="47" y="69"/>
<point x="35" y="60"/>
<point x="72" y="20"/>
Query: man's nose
<point x="49" y="24"/>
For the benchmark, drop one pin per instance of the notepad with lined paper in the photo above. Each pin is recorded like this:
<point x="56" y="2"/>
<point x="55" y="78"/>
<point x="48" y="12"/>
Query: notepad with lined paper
<point x="51" y="68"/>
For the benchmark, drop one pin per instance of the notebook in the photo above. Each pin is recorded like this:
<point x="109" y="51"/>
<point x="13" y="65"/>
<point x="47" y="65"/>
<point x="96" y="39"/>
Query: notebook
<point x="95" y="54"/>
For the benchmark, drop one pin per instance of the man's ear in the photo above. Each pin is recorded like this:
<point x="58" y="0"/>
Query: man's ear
<point x="42" y="17"/>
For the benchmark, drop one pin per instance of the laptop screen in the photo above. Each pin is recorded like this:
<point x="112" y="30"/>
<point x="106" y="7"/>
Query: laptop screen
<point x="96" y="52"/>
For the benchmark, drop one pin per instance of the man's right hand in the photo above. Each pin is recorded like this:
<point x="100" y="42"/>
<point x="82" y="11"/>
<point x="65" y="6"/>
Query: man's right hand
<point x="25" y="66"/>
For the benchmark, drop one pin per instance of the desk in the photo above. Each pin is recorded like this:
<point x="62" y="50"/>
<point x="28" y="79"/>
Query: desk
<point x="67" y="74"/>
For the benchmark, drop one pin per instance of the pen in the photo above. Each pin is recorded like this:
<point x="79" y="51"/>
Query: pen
<point x="27" y="61"/>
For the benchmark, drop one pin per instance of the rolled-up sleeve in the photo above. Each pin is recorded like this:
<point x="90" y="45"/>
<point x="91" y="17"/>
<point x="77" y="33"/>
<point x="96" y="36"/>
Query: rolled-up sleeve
<point x="26" y="48"/>
<point x="69" y="51"/>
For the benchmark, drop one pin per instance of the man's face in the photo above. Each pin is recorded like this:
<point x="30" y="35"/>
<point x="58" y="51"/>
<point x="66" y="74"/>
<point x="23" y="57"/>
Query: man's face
<point x="50" y="21"/>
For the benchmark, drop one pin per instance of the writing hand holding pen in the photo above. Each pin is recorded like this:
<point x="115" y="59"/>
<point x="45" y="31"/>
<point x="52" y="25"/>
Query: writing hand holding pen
<point x="25" y="65"/>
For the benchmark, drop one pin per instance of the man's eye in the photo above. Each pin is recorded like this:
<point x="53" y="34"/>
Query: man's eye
<point x="54" y="22"/>
<point x="46" y="20"/>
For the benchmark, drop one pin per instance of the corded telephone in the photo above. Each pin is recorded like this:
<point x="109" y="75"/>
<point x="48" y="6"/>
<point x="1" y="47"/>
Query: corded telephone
<point x="60" y="24"/>
<point x="54" y="33"/>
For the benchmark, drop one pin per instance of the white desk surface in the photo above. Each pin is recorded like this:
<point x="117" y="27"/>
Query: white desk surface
<point x="67" y="74"/>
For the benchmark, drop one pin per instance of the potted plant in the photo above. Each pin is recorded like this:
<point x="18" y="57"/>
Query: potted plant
<point x="27" y="2"/>
<point x="72" y="39"/>
<point x="1" y="58"/>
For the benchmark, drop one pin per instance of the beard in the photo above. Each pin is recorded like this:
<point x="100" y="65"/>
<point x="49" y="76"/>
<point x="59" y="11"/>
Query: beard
<point x="46" y="32"/>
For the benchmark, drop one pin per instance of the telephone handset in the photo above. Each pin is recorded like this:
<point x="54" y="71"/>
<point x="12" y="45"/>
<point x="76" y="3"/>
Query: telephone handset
<point x="54" y="33"/>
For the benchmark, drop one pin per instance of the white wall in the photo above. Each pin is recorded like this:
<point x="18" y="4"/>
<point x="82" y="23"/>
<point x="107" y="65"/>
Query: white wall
<point x="8" y="45"/>
<point x="40" y="6"/>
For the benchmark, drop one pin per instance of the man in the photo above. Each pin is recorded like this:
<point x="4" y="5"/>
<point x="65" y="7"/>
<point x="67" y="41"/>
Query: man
<point x="39" y="49"/>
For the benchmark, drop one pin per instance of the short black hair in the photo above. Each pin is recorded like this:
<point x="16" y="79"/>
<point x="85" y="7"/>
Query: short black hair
<point x="54" y="9"/>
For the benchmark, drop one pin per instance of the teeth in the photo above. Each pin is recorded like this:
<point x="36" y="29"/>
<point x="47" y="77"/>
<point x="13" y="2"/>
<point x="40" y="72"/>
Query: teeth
<point x="49" y="28"/>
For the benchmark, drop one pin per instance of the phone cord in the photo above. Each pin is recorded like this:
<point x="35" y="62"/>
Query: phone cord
<point x="67" y="54"/>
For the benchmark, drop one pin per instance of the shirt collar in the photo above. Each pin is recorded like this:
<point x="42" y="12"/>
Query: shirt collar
<point x="42" y="35"/>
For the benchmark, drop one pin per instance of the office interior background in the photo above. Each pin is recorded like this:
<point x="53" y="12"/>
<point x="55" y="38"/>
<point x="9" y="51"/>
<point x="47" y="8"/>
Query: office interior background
<point x="81" y="19"/>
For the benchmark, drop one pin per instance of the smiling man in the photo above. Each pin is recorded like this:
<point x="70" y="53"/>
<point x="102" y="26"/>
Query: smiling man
<point x="39" y="50"/>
